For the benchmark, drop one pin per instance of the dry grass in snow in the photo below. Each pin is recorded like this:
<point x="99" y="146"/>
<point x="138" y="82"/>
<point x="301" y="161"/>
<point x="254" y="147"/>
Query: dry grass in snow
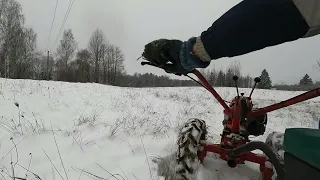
<point x="60" y="130"/>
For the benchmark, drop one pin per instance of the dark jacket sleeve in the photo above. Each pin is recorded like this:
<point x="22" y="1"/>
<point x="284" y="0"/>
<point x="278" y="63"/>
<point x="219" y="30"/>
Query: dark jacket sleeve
<point x="255" y="24"/>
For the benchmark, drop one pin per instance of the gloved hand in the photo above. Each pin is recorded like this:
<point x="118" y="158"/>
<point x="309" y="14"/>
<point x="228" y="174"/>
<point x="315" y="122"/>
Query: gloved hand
<point x="174" y="56"/>
<point x="164" y="53"/>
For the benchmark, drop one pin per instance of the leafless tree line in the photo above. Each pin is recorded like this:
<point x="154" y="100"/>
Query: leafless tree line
<point x="107" y="59"/>
<point x="99" y="62"/>
<point x="224" y="78"/>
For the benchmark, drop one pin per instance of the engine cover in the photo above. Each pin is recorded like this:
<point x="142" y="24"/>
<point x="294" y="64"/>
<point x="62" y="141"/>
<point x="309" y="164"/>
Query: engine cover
<point x="256" y="126"/>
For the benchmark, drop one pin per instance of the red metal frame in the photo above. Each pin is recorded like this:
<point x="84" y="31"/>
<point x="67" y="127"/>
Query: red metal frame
<point x="235" y="114"/>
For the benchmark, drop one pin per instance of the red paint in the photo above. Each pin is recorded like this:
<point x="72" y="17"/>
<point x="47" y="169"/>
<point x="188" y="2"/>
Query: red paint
<point x="235" y="112"/>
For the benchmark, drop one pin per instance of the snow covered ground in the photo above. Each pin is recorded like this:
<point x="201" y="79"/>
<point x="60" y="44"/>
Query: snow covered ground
<point x="114" y="132"/>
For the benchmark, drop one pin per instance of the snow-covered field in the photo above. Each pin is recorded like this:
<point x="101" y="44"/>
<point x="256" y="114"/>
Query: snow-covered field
<point x="114" y="132"/>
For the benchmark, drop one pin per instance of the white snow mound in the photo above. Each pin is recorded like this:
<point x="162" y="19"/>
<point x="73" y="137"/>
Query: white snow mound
<point x="60" y="130"/>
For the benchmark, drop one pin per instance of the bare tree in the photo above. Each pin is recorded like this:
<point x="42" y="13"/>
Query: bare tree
<point x="109" y="63"/>
<point x="37" y="64"/>
<point x="247" y="81"/>
<point x="115" y="66"/>
<point x="66" y="48"/>
<point x="25" y="54"/>
<point x="17" y="44"/>
<point x="84" y="63"/>
<point x="105" y="63"/>
<point x="40" y="66"/>
<point x="118" y="66"/>
<point x="213" y="76"/>
<point x="236" y="68"/>
<point x="233" y="69"/>
<point x="11" y="28"/>
<point x="97" y="47"/>
<point x="19" y="57"/>
<point x="65" y="53"/>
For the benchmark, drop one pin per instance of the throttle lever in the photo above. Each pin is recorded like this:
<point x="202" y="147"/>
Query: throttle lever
<point x="163" y="67"/>
<point x="152" y="64"/>
<point x="146" y="63"/>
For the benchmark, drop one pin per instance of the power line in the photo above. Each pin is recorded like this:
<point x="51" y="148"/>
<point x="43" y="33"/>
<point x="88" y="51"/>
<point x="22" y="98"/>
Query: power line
<point x="54" y="15"/>
<point x="64" y="21"/>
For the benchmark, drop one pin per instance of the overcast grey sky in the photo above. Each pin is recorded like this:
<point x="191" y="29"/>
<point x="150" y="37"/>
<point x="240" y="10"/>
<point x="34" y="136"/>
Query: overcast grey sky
<point x="131" y="24"/>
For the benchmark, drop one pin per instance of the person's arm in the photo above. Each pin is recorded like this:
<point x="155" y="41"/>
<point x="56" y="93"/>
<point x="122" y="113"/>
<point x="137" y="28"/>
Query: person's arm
<point x="252" y="25"/>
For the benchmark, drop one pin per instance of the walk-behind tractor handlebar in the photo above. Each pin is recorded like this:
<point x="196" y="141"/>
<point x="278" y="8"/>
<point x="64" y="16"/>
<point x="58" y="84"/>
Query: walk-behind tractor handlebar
<point x="241" y="120"/>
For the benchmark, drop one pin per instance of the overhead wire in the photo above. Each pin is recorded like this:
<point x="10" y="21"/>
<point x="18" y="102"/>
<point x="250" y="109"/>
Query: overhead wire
<point x="54" y="16"/>
<point x="64" y="21"/>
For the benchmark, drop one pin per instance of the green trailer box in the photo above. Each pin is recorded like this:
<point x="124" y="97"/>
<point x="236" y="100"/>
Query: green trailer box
<point x="302" y="154"/>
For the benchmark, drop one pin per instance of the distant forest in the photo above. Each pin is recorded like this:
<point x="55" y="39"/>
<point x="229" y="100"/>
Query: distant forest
<point x="99" y="62"/>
